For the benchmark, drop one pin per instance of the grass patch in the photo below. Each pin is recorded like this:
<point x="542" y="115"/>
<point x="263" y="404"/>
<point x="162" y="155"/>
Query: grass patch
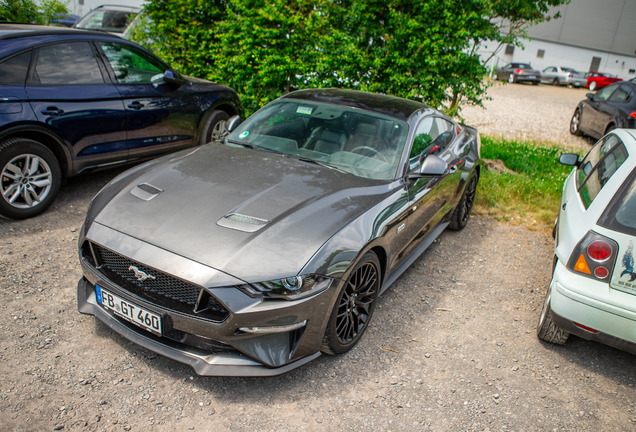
<point x="534" y="193"/>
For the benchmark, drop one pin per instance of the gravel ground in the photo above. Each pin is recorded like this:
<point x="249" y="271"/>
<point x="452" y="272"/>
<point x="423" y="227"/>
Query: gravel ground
<point x="451" y="347"/>
<point x="527" y="112"/>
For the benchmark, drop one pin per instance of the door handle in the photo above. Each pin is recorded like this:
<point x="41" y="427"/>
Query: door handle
<point x="52" y="111"/>
<point x="136" y="105"/>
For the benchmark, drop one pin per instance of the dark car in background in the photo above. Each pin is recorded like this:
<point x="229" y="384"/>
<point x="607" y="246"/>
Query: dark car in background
<point x="609" y="108"/>
<point x="253" y="257"/>
<point x="73" y="101"/>
<point x="598" y="80"/>
<point x="518" y="72"/>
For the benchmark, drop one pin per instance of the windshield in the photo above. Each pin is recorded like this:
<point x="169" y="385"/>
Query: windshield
<point x="106" y="20"/>
<point x="352" y="140"/>
<point x="568" y="69"/>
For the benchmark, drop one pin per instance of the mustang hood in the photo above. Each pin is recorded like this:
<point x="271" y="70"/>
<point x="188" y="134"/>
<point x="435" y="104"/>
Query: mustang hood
<point x="303" y="204"/>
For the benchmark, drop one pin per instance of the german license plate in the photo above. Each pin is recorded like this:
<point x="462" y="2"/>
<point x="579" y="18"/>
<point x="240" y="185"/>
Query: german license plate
<point x="130" y="312"/>
<point x="531" y="76"/>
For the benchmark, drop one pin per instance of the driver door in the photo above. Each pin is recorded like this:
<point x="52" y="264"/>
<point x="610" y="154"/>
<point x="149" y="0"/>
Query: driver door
<point x="160" y="118"/>
<point x="431" y="198"/>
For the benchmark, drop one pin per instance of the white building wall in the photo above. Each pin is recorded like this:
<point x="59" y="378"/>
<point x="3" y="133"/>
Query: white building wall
<point x="561" y="55"/>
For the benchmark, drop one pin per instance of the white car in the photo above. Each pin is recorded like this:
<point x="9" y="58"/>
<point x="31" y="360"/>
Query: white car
<point x="593" y="289"/>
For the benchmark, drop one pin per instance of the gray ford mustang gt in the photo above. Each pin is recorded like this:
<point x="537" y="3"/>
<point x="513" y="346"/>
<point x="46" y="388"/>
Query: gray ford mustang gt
<point x="251" y="256"/>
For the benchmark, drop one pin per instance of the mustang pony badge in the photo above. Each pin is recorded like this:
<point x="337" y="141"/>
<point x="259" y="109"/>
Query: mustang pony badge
<point x="141" y="275"/>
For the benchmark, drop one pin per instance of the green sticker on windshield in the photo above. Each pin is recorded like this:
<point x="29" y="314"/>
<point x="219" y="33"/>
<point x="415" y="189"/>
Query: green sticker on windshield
<point x="244" y="134"/>
<point x="304" y="110"/>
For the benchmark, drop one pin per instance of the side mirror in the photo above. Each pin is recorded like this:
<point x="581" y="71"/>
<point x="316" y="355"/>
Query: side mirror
<point x="569" y="159"/>
<point x="232" y="123"/>
<point x="173" y="78"/>
<point x="590" y="96"/>
<point x="433" y="166"/>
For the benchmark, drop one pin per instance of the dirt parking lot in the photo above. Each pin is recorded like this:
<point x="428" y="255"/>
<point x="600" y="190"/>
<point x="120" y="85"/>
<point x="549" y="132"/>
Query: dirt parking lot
<point x="452" y="347"/>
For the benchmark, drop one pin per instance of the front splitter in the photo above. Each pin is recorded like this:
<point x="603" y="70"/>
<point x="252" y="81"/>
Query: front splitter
<point x="220" y="364"/>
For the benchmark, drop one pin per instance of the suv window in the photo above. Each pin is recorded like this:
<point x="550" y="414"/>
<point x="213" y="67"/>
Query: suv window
<point x="130" y="65"/>
<point x="14" y="70"/>
<point x="67" y="63"/>
<point x="601" y="174"/>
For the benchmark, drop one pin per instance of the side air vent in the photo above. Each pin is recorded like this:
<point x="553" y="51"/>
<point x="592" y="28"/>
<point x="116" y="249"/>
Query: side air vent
<point x="241" y="222"/>
<point x="145" y="191"/>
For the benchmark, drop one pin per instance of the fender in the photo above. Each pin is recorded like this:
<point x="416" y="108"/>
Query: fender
<point x="24" y="129"/>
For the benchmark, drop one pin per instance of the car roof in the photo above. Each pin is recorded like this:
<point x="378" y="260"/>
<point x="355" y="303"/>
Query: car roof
<point x="18" y="30"/>
<point x="118" y="7"/>
<point x="383" y="104"/>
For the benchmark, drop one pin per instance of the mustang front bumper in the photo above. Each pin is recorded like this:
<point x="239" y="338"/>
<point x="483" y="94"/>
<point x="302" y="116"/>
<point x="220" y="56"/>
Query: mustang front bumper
<point x="281" y="335"/>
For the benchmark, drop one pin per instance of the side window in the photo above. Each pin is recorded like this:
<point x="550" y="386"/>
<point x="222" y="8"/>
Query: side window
<point x="446" y="131"/>
<point x="592" y="158"/>
<point x="131" y="66"/>
<point x="425" y="134"/>
<point x="67" y="63"/>
<point x="14" y="70"/>
<point x="601" y="174"/>
<point x="622" y="95"/>
<point x="605" y="93"/>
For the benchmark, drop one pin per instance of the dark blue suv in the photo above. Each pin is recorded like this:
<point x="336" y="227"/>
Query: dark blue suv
<point x="73" y="101"/>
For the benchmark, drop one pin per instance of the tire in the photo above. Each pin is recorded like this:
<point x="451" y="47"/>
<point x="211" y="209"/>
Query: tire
<point x="547" y="330"/>
<point x="512" y="79"/>
<point x="575" y="122"/>
<point x="535" y="82"/>
<point x="460" y="216"/>
<point x="347" y="324"/>
<point x="26" y="194"/>
<point x="610" y="128"/>
<point x="556" y="82"/>
<point x="593" y="86"/>
<point x="214" y="127"/>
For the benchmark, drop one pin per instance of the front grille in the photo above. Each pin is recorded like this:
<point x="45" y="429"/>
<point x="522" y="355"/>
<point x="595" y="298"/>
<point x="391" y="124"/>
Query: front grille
<point x="156" y="281"/>
<point x="157" y="287"/>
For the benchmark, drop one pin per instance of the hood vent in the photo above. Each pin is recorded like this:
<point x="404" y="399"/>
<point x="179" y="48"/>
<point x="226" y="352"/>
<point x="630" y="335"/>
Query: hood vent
<point x="145" y="191"/>
<point x="241" y="222"/>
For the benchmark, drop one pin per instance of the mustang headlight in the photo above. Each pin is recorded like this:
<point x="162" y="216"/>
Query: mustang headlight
<point x="291" y="288"/>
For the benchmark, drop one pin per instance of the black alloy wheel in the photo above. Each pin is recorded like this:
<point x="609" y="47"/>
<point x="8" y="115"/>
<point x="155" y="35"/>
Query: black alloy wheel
<point x="354" y="307"/>
<point x="575" y="123"/>
<point x="459" y="220"/>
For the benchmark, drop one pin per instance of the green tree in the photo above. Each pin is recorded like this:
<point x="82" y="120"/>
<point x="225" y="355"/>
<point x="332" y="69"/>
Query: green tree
<point x="23" y="11"/>
<point x="50" y="8"/>
<point x="269" y="47"/>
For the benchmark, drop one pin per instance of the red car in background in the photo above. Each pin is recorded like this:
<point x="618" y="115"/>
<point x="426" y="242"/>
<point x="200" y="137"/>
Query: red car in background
<point x="597" y="80"/>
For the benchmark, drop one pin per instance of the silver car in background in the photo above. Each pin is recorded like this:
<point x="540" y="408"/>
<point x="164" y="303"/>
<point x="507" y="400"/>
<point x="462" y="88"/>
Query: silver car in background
<point x="557" y="75"/>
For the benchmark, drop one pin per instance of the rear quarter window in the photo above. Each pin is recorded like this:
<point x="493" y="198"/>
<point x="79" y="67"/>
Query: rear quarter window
<point x="601" y="173"/>
<point x="620" y="214"/>
<point x="14" y="70"/>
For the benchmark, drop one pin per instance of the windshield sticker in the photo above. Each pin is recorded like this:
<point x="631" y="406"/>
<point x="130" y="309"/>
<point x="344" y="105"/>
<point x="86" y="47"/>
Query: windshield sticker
<point x="244" y="134"/>
<point x="304" y="110"/>
<point x="627" y="277"/>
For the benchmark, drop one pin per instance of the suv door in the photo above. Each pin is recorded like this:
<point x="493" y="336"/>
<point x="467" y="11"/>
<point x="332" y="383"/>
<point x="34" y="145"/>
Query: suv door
<point x="14" y="106"/>
<point x="161" y="117"/>
<point x="69" y="91"/>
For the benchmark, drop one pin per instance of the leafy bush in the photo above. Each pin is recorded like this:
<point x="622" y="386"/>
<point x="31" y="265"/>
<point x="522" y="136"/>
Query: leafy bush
<point x="419" y="49"/>
<point x="27" y="11"/>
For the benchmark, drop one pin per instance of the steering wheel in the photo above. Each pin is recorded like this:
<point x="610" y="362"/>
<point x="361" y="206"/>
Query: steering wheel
<point x="372" y="150"/>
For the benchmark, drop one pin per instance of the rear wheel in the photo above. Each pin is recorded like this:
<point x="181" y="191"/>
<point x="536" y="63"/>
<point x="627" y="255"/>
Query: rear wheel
<point x="30" y="178"/>
<point x="546" y="328"/>
<point x="575" y="122"/>
<point x="593" y="85"/>
<point x="465" y="205"/>
<point x="354" y="307"/>
<point x="214" y="127"/>
<point x="610" y="128"/>
<point x="556" y="82"/>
